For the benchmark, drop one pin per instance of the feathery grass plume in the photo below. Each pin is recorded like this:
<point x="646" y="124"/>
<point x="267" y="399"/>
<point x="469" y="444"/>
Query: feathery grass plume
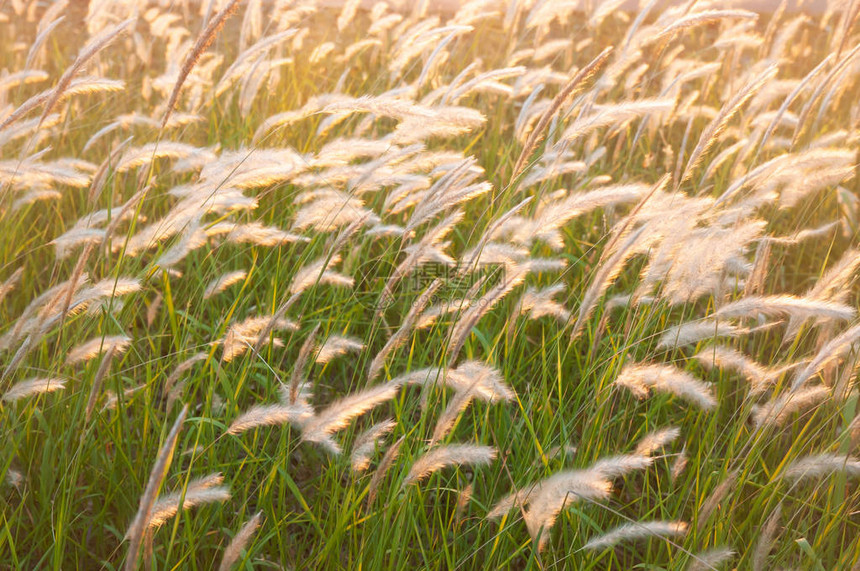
<point x="641" y="378"/>
<point x="490" y="233"/>
<point x="341" y="412"/>
<point x="758" y="376"/>
<point x="553" y="215"/>
<point x="31" y="171"/>
<point x="23" y="77"/>
<point x="790" y="98"/>
<point x="298" y="374"/>
<point x="109" y="288"/>
<point x="31" y="318"/>
<point x="837" y="69"/>
<point x="759" y="271"/>
<point x="712" y="502"/>
<point x="721" y="159"/>
<point x="127" y="122"/>
<point x="765" y="539"/>
<point x="347" y="14"/>
<point x="654" y="441"/>
<point x="821" y="466"/>
<point x="539" y="303"/>
<point x="449" y="455"/>
<point x="336" y="346"/>
<point x="384" y="465"/>
<point x="18" y="357"/>
<point x="831" y="286"/>
<point x="550" y="496"/>
<point x="77" y="272"/>
<point x="429" y="249"/>
<point x="602" y="11"/>
<point x="275" y="319"/>
<point x="849" y="19"/>
<point x="14" y="478"/>
<point x="692" y="332"/>
<point x="182" y="368"/>
<point x="318" y="55"/>
<point x="487" y="81"/>
<point x="494" y="254"/>
<point x="517" y="498"/>
<point x="241" y="335"/>
<point x="682" y="150"/>
<point x="48" y="22"/>
<point x="386" y="105"/>
<point x="463" y="499"/>
<point x="240" y="542"/>
<point x="815" y="177"/>
<point x="710" y="559"/>
<point x="10" y="283"/>
<point x="679" y="465"/>
<point x="458" y="403"/>
<point x="101" y="373"/>
<point x="318" y="272"/>
<point x="35" y="386"/>
<point x="173" y="394"/>
<point x="152" y="309"/>
<point x="615" y="466"/>
<point x="569" y="90"/>
<point x="615" y="115"/>
<point x="546" y="499"/>
<point x="35" y="196"/>
<point x="296" y="414"/>
<point x="205" y="490"/>
<point x="716" y="127"/>
<point x="192" y="238"/>
<point x="757" y="177"/>
<point x="140" y="156"/>
<point x="75" y="237"/>
<point x="786" y="305"/>
<point x="511" y="279"/>
<point x="32" y="103"/>
<point x="605" y="275"/>
<point x="777" y="411"/>
<point x="141" y="520"/>
<point x="331" y="210"/>
<point x="431" y="315"/>
<point x="401" y="335"/>
<point x="247" y="59"/>
<point x="224" y="281"/>
<point x="204" y="40"/>
<point x="366" y="442"/>
<point x="113" y="397"/>
<point x="831" y="351"/>
<point x="455" y="187"/>
<point x="92" y="47"/>
<point x="484" y="382"/>
<point x="697" y="19"/>
<point x="126" y="211"/>
<point x="695" y="262"/>
<point x="421" y="377"/>
<point x="637" y="530"/>
<point x="117" y="344"/>
<point x="835" y="280"/>
<point x="651" y="206"/>
<point x="30" y="128"/>
<point x="313" y="106"/>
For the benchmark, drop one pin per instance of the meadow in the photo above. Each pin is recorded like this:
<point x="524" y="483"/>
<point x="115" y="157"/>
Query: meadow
<point x="292" y="285"/>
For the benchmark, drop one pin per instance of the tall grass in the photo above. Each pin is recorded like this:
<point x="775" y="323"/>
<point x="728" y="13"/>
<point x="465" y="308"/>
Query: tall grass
<point x="292" y="286"/>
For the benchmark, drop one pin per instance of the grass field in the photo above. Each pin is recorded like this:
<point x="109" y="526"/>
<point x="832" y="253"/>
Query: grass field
<point x="373" y="287"/>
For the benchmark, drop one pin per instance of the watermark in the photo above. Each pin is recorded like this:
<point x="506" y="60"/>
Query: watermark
<point x="376" y="286"/>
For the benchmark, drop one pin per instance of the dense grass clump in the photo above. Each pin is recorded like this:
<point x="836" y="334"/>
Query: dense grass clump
<point x="508" y="286"/>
